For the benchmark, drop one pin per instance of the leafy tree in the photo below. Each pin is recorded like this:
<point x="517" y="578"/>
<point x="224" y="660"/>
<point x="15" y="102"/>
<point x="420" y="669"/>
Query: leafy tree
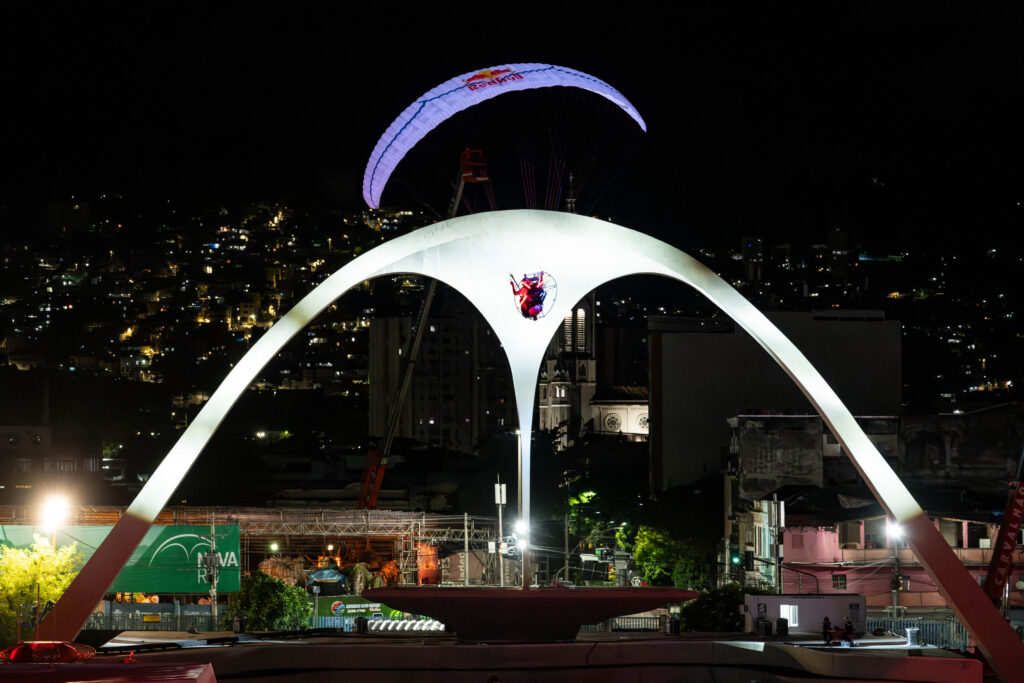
<point x="269" y="604"/>
<point x="22" y="570"/>
<point x="668" y="560"/>
<point x="582" y="519"/>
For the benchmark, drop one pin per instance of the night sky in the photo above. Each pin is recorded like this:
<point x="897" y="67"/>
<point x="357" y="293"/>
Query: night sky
<point x="900" y="123"/>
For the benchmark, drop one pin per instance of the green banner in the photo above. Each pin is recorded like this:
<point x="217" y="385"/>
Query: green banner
<point x="169" y="559"/>
<point x="352" y="606"/>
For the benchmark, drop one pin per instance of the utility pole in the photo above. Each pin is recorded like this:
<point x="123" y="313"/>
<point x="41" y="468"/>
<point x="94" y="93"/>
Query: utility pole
<point x="212" y="562"/>
<point x="897" y="581"/>
<point x="565" y="551"/>
<point x="779" y="513"/>
<point x="465" y="548"/>
<point x="499" y="500"/>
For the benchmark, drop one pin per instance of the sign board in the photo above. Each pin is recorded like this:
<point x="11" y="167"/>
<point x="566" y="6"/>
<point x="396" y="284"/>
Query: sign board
<point x="353" y="606"/>
<point x="1002" y="558"/>
<point x="168" y="560"/>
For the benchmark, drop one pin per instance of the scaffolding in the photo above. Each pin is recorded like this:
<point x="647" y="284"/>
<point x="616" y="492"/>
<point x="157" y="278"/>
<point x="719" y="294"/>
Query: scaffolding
<point x="392" y="534"/>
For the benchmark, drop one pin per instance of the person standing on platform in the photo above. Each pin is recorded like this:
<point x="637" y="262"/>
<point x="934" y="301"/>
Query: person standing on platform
<point x="826" y="631"/>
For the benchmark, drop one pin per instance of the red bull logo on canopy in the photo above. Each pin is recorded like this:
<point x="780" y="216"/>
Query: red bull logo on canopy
<point x="488" y="77"/>
<point x="485" y="74"/>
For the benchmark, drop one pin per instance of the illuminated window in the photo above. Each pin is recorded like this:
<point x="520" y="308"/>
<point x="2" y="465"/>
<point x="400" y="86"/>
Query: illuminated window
<point x="789" y="613"/>
<point x="839" y="582"/>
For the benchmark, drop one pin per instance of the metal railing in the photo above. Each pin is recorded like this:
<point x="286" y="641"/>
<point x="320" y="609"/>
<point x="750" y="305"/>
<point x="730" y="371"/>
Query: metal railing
<point x="137" y="622"/>
<point x="346" y="624"/>
<point x="947" y="633"/>
<point x="201" y="623"/>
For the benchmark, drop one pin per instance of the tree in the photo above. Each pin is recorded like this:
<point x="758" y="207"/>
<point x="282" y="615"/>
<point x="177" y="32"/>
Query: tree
<point x="717" y="610"/>
<point x="22" y="570"/>
<point x="667" y="560"/>
<point x="269" y="604"/>
<point x="582" y="521"/>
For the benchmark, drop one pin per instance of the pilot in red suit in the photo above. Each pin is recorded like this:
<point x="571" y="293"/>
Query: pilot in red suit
<point x="529" y="294"/>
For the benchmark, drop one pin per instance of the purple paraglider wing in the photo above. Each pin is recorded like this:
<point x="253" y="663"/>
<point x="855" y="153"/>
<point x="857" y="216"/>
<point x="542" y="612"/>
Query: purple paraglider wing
<point x="462" y="92"/>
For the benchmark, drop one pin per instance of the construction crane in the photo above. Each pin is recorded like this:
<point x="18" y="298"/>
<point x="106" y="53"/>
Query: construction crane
<point x="472" y="169"/>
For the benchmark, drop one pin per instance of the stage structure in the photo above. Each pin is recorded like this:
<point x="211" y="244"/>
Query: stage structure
<point x="525" y="271"/>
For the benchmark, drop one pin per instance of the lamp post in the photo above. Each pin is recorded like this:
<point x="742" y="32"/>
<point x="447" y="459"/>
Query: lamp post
<point x="894" y="532"/>
<point x="500" y="500"/>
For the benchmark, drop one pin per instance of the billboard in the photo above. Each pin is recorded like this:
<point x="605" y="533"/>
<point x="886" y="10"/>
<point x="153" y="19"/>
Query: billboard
<point x="168" y="560"/>
<point x="353" y="606"/>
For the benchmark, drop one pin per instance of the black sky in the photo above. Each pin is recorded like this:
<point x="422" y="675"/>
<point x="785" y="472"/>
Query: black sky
<point x="902" y="121"/>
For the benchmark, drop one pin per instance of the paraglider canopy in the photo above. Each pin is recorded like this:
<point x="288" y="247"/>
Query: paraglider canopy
<point x="464" y="91"/>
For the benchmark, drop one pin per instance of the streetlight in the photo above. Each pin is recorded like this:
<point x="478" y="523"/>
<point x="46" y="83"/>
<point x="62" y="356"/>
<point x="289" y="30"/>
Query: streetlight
<point x="273" y="547"/>
<point x="54" y="512"/>
<point x="522" y="530"/>
<point x="895" y="532"/>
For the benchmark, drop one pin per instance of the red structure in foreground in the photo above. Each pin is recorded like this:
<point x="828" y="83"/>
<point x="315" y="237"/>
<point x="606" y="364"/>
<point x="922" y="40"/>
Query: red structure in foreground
<point x="523" y="615"/>
<point x="112" y="673"/>
<point x="47" y="652"/>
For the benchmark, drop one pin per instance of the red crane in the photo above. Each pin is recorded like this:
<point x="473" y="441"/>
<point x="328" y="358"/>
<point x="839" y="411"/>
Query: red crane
<point x="472" y="169"/>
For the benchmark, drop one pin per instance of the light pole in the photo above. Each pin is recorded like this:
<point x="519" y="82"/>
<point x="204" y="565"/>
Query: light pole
<point x="499" y="500"/>
<point x="895" y="532"/>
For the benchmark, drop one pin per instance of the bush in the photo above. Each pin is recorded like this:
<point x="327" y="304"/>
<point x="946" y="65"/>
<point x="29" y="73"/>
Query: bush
<point x="269" y="604"/>
<point x="716" y="610"/>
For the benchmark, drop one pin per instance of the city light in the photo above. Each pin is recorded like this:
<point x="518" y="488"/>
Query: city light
<point x="273" y="547"/>
<point x="522" y="533"/>
<point x="54" y="512"/>
<point x="893" y="530"/>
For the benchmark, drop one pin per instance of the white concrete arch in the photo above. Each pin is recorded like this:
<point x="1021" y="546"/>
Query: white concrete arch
<point x="476" y="255"/>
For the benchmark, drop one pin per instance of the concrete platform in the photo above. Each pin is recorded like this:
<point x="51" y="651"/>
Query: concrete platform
<point x="598" y="658"/>
<point x="182" y="638"/>
<point x="487" y="614"/>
